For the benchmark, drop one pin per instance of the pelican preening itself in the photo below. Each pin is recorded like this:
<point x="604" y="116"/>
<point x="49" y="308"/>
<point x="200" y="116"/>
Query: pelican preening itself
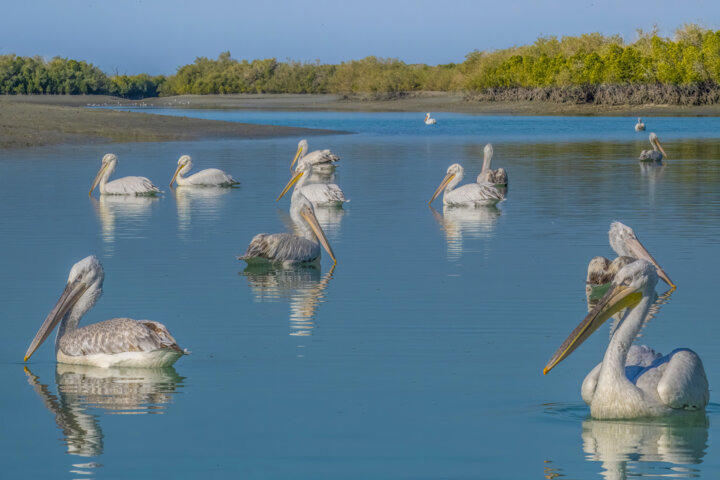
<point x="320" y="194"/>
<point x="120" y="342"/>
<point x="121" y="186"/>
<point x="428" y="120"/>
<point x="317" y="157"/>
<point x="634" y="381"/>
<point x="639" y="126"/>
<point x="472" y="194"/>
<point x="656" y="154"/>
<point x="287" y="248"/>
<point x="210" y="177"/>
<point x="487" y="175"/>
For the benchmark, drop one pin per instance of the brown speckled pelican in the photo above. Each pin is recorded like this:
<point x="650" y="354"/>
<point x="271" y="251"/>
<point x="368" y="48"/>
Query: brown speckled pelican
<point x="120" y="342"/>
<point x="496" y="177"/>
<point x="656" y="154"/>
<point x="317" y="157"/>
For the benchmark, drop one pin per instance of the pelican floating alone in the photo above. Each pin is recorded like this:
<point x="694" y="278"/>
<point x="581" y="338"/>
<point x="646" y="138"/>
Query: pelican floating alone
<point x="316" y="157"/>
<point x="487" y="175"/>
<point x="634" y="381"/>
<point x="121" y="186"/>
<point x="656" y="154"/>
<point x="320" y="194"/>
<point x="428" y="120"/>
<point x="288" y="248"/>
<point x="210" y="177"/>
<point x="640" y="126"/>
<point x="120" y="342"/>
<point x="472" y="194"/>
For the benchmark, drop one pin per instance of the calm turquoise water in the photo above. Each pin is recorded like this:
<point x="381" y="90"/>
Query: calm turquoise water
<point x="419" y="356"/>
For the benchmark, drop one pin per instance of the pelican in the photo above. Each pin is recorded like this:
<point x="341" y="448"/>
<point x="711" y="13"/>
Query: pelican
<point x="120" y="342"/>
<point x="288" y="248"/>
<point x="317" y="157"/>
<point x="634" y="381"/>
<point x="210" y="177"/>
<point x="626" y="244"/>
<point x="487" y="175"/>
<point x="472" y="194"/>
<point x="121" y="186"/>
<point x="640" y="125"/>
<point x="320" y="194"/>
<point x="428" y="120"/>
<point x="656" y="154"/>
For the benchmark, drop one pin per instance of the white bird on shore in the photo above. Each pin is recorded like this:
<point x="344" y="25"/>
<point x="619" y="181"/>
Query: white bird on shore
<point x="316" y="157"/>
<point x="472" y="194"/>
<point x="656" y="154"/>
<point x="639" y="126"/>
<point x="121" y="186"/>
<point x="487" y="175"/>
<point x="320" y="194"/>
<point x="428" y="120"/>
<point x="210" y="177"/>
<point x="287" y="248"/>
<point x="634" y="381"/>
<point x="120" y="342"/>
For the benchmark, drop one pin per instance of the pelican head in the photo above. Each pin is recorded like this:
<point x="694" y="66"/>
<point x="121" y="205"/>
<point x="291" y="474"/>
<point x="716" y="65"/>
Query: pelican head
<point x="303" y="207"/>
<point x="625" y="243"/>
<point x="631" y="284"/>
<point x="301" y="151"/>
<point x="109" y="161"/>
<point x="656" y="143"/>
<point x="184" y="166"/>
<point x="84" y="285"/>
<point x="302" y="169"/>
<point x="454" y="172"/>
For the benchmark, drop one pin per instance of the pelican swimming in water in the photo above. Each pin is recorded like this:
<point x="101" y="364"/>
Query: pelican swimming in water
<point x="656" y="154"/>
<point x="121" y="186"/>
<point x="120" y="342"/>
<point x="428" y="120"/>
<point x="320" y="194"/>
<point x="287" y="248"/>
<point x="316" y="157"/>
<point x="626" y="244"/>
<point x="472" y="194"/>
<point x="210" y="177"/>
<point x="640" y="126"/>
<point x="487" y="175"/>
<point x="634" y="381"/>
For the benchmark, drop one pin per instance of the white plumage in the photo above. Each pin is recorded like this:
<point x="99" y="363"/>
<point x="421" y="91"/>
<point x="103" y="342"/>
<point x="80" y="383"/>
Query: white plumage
<point x="320" y="194"/>
<point x="487" y="175"/>
<point x="428" y="120"/>
<point x="317" y="157"/>
<point x="472" y="194"/>
<point x="639" y="126"/>
<point x="210" y="177"/>
<point x="656" y="154"/>
<point x="121" y="186"/>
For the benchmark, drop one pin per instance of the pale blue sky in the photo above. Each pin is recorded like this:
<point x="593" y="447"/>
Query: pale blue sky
<point x="157" y="36"/>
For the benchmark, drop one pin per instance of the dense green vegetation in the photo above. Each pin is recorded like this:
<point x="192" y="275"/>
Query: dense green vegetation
<point x="588" y="68"/>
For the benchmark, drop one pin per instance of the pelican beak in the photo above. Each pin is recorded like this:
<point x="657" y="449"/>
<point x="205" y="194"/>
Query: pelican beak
<point x="295" y="158"/>
<point x="73" y="291"/>
<point x="657" y="144"/>
<point x="616" y="298"/>
<point x="175" y="175"/>
<point x="639" y="251"/>
<point x="292" y="181"/>
<point x="443" y="184"/>
<point x="312" y="220"/>
<point x="97" y="178"/>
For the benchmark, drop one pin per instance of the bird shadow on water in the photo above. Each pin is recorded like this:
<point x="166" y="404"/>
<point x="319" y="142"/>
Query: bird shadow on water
<point x="85" y="393"/>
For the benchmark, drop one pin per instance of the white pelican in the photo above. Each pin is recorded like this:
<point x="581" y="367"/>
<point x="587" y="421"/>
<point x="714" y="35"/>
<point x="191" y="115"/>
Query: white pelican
<point x="626" y="244"/>
<point x="121" y="186"/>
<point x="210" y="177"/>
<point x="320" y="194"/>
<point x="287" y="248"/>
<point x="428" y="120"/>
<point x="487" y="175"/>
<point x="634" y="381"/>
<point x="472" y="194"/>
<point x="120" y="342"/>
<point x="640" y="125"/>
<point x="656" y="154"/>
<point x="316" y="157"/>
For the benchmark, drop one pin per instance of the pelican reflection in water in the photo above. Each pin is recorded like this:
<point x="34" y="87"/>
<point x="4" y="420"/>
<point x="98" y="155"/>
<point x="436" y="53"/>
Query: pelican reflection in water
<point x="120" y="186"/>
<point x="133" y="211"/>
<point x="84" y="393"/>
<point x="465" y="223"/>
<point x="320" y="194"/>
<point x="301" y="284"/>
<point x="201" y="203"/>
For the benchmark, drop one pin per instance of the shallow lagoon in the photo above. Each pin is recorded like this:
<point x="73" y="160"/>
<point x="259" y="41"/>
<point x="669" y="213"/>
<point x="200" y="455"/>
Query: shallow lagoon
<point x="419" y="356"/>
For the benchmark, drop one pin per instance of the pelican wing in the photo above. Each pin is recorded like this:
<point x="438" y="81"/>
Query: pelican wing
<point x="118" y="335"/>
<point x="282" y="247"/>
<point x="324" y="194"/>
<point x="131" y="186"/>
<point x="210" y="176"/>
<point x="683" y="384"/>
<point x="320" y="156"/>
<point x="474" y="194"/>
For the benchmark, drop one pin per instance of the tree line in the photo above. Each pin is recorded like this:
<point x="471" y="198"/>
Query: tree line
<point x="583" y="65"/>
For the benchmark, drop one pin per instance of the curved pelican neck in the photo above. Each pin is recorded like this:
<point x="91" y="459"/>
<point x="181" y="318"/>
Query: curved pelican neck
<point x="487" y="159"/>
<point x="613" y="366"/>
<point x="299" y="221"/>
<point x="106" y="175"/>
<point x="453" y="183"/>
<point x="71" y="320"/>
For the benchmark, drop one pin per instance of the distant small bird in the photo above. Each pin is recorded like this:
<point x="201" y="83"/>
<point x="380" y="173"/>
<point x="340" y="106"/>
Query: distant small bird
<point x="428" y="120"/>
<point x="640" y="125"/>
<point x="121" y="186"/>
